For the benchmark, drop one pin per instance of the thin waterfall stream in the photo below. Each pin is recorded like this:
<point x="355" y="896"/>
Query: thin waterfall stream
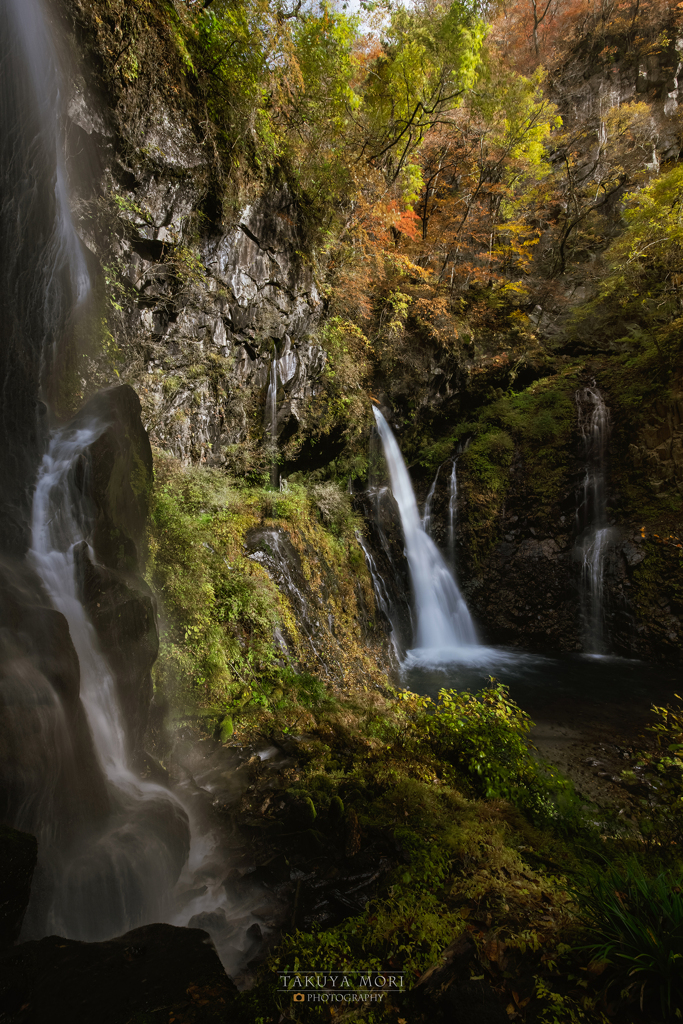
<point x="427" y="514"/>
<point x="271" y="421"/>
<point x="593" y="532"/>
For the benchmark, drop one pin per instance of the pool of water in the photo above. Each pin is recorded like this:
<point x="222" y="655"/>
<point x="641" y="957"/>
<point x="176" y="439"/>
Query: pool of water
<point x="570" y="689"/>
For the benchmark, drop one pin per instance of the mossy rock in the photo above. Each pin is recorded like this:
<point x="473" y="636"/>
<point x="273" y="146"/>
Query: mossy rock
<point x="304" y="812"/>
<point x="335" y="811"/>
<point x="226" y="729"/>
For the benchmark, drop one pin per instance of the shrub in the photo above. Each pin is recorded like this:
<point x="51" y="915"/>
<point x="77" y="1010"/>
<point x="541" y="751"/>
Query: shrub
<point x="485" y="737"/>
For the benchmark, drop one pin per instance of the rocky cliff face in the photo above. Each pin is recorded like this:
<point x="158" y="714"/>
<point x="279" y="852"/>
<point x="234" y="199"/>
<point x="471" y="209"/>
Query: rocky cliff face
<point x="209" y="300"/>
<point x="202" y="299"/>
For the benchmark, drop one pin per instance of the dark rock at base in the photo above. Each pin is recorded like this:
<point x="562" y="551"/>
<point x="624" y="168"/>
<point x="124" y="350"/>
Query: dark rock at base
<point x="445" y="994"/>
<point x="152" y="973"/>
<point x="18" y="856"/>
<point x="116" y="481"/>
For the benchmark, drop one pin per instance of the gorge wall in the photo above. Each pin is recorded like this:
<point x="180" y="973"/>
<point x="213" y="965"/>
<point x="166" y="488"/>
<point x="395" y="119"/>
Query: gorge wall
<point x="204" y="290"/>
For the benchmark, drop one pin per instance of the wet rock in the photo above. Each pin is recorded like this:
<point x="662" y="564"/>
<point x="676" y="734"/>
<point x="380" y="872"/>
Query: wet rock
<point x="122" y="608"/>
<point x="115" y="478"/>
<point x="125" y="978"/>
<point x="213" y="921"/>
<point x="48" y="769"/>
<point x="18" y="855"/>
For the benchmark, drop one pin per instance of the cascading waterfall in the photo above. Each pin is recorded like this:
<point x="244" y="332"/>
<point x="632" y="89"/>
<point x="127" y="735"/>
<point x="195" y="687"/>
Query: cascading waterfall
<point x="593" y="533"/>
<point x="110" y="846"/>
<point x="120" y="872"/>
<point x="382" y="597"/>
<point x="443" y="622"/>
<point x="427" y="514"/>
<point x="271" y="421"/>
<point x="44" y="278"/>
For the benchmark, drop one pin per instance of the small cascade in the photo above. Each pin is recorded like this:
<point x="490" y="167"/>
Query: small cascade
<point x="443" y="622"/>
<point x="271" y="423"/>
<point x="427" y="514"/>
<point x="382" y="598"/>
<point x="121" y="870"/>
<point x="593" y="533"/>
<point x="287" y="363"/>
<point x="452" y="511"/>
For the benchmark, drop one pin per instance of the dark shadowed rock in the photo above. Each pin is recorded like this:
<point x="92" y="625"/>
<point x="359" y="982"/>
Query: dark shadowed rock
<point x="122" y="609"/>
<point x="452" y="991"/>
<point x="115" y="478"/>
<point x="18" y="855"/>
<point x="150" y="974"/>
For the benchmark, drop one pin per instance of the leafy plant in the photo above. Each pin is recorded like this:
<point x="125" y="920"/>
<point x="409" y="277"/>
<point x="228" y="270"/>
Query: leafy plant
<point x="485" y="737"/>
<point x="659" y="771"/>
<point x="636" y="924"/>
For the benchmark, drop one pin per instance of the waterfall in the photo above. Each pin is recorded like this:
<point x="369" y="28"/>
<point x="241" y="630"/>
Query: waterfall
<point x="44" y="278"/>
<point x="121" y="871"/>
<point x="593" y="534"/>
<point x="382" y="598"/>
<point x="452" y="511"/>
<point x="271" y="422"/>
<point x="443" y="621"/>
<point x="110" y="846"/>
<point x="427" y="514"/>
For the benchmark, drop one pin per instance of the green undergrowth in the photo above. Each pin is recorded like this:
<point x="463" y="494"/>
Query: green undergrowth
<point x="220" y="609"/>
<point x="570" y="917"/>
<point x="483" y="838"/>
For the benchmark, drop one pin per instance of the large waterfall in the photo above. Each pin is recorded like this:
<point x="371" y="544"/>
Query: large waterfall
<point x="593" y="533"/>
<point x="120" y="871"/>
<point x="444" y="627"/>
<point x="44" y="279"/>
<point x="111" y="846"/>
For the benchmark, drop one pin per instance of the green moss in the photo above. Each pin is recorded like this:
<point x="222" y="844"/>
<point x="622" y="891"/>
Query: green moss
<point x="171" y="385"/>
<point x="488" y="458"/>
<point x="462" y="864"/>
<point x="220" y="608"/>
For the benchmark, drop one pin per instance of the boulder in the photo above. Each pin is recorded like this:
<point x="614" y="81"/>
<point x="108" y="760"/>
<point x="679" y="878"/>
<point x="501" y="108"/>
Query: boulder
<point x="18" y="856"/>
<point x="153" y="973"/>
<point x="115" y="478"/>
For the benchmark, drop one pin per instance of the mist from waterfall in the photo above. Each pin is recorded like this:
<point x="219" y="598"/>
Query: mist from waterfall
<point x="443" y="624"/>
<point x="593" y="533"/>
